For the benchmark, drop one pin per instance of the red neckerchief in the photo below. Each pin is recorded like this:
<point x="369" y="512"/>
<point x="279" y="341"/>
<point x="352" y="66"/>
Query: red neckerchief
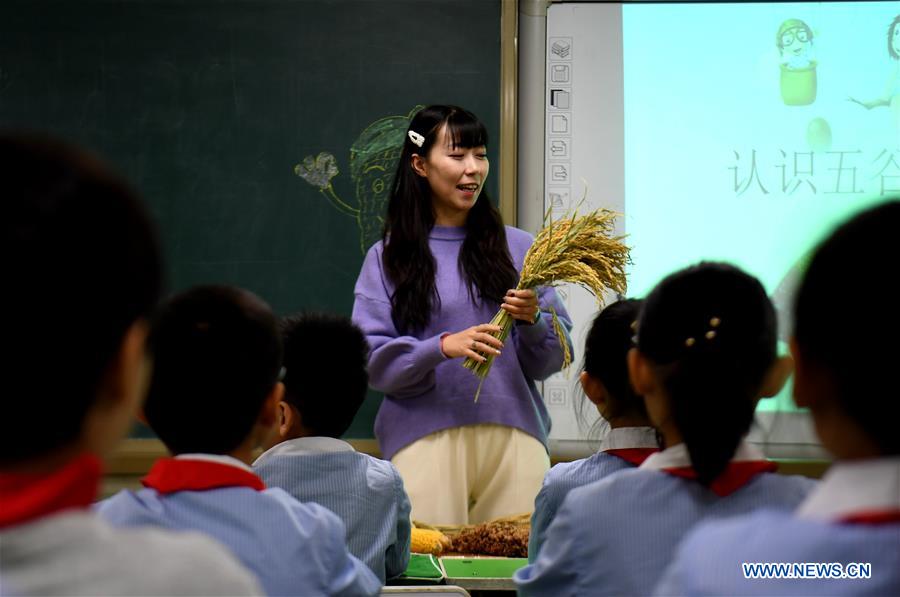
<point x="633" y="455"/>
<point x="736" y="474"/>
<point x="170" y="475"/>
<point x="873" y="517"/>
<point x="28" y="496"/>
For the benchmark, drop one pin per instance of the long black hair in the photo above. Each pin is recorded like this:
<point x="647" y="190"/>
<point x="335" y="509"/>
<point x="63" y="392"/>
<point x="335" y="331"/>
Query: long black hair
<point x="606" y="359"/>
<point x="606" y="355"/>
<point x="710" y="330"/>
<point x="484" y="259"/>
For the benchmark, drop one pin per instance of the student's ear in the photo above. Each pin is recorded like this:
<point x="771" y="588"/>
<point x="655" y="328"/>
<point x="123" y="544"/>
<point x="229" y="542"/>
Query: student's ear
<point x="419" y="165"/>
<point x="777" y="376"/>
<point x="642" y="380"/>
<point x="268" y="415"/>
<point x="287" y="419"/>
<point x="120" y="393"/>
<point x="594" y="390"/>
<point x="128" y="375"/>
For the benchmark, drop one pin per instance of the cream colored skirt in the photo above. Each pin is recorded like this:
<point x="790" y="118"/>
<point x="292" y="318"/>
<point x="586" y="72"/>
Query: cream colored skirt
<point x="471" y="474"/>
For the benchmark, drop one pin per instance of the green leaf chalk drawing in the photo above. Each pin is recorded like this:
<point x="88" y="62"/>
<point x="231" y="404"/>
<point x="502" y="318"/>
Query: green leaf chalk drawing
<point x="373" y="161"/>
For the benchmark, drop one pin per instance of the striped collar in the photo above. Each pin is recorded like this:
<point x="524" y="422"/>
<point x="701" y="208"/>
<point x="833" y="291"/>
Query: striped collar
<point x="303" y="446"/>
<point x="856" y="491"/>
<point x="632" y="444"/>
<point x="629" y="437"/>
<point x="677" y="456"/>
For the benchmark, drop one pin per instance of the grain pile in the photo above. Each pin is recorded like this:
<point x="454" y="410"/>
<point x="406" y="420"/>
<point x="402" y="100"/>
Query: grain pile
<point x="505" y="537"/>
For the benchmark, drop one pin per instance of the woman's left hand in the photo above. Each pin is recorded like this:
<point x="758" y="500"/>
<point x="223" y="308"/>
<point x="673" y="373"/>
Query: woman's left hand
<point x="522" y="305"/>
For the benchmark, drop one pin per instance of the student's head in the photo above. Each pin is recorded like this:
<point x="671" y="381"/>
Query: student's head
<point x="82" y="272"/>
<point x="705" y="355"/>
<point x="325" y="360"/>
<point x="442" y="181"/>
<point x="846" y="357"/>
<point x="893" y="38"/>
<point x="605" y="374"/>
<point x="217" y="357"/>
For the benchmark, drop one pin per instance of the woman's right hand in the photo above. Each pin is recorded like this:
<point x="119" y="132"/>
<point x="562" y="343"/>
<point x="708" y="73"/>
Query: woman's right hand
<point x="472" y="342"/>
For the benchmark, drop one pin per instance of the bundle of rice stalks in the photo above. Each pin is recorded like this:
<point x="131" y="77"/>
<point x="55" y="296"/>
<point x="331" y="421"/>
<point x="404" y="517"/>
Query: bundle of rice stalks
<point x="577" y="249"/>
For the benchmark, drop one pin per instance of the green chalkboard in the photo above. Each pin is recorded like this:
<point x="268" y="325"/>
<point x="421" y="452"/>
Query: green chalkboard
<point x="211" y="108"/>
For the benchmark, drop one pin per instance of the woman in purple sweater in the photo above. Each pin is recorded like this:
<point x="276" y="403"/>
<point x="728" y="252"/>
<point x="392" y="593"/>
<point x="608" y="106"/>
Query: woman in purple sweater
<point x="445" y="264"/>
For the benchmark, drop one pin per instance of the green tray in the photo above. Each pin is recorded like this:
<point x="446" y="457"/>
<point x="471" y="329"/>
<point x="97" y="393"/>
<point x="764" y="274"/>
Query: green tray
<point x="423" y="567"/>
<point x="482" y="567"/>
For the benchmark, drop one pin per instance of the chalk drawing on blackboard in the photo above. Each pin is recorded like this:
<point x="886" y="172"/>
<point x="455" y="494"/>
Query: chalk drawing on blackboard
<point x="373" y="160"/>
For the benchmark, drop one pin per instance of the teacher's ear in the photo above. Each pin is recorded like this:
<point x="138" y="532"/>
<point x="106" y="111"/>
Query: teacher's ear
<point x="419" y="165"/>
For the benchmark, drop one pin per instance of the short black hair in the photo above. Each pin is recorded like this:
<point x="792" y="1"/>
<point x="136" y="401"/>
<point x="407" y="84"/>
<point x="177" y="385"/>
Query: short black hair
<point x="606" y="355"/>
<point x="325" y="358"/>
<point x="82" y="265"/>
<point x="858" y="349"/>
<point x="217" y="356"/>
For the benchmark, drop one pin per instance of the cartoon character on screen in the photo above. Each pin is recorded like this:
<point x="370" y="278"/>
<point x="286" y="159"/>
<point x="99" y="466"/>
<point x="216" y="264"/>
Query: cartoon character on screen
<point x="373" y="160"/>
<point x="891" y="95"/>
<point x="794" y="40"/>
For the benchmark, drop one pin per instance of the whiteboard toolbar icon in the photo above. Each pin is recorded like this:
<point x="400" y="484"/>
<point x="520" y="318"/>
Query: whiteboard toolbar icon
<point x="559" y="123"/>
<point x="559" y="148"/>
<point x="559" y="200"/>
<point x="561" y="98"/>
<point x="560" y="48"/>
<point x="557" y="396"/>
<point x="559" y="73"/>
<point x="559" y="173"/>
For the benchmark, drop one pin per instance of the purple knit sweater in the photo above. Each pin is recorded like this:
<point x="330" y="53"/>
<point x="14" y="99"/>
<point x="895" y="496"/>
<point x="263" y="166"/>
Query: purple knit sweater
<point x="426" y="392"/>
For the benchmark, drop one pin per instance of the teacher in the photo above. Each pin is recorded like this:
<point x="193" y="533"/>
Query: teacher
<point x="443" y="267"/>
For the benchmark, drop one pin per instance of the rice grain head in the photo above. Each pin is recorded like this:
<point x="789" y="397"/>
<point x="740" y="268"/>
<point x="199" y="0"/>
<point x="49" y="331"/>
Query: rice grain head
<point x="577" y="249"/>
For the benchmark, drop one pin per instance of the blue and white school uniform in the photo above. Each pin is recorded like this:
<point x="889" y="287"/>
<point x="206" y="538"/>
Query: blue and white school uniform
<point x="294" y="548"/>
<point x="616" y="536"/>
<point x="365" y="492"/>
<point x="50" y="544"/>
<point x="622" y="448"/>
<point x="853" y="516"/>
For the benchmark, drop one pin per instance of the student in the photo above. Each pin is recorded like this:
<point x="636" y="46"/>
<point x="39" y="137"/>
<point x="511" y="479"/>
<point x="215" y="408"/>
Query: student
<point x="424" y="297"/>
<point x="325" y="384"/>
<point x="630" y="439"/>
<point x="213" y="400"/>
<point x="82" y="272"/>
<point x="705" y="354"/>
<point x="846" y="357"/>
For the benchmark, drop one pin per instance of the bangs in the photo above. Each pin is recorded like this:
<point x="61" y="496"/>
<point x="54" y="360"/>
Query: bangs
<point x="465" y="131"/>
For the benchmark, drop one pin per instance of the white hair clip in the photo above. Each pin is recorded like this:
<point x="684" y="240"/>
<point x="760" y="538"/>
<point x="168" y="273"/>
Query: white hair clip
<point x="416" y="138"/>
